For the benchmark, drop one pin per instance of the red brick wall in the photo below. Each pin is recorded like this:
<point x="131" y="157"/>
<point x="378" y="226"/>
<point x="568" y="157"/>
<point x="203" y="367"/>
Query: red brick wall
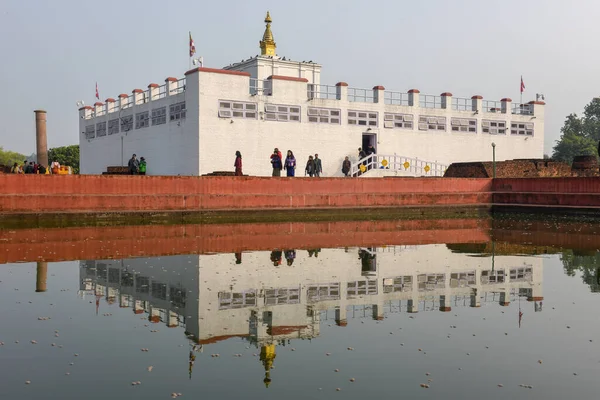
<point x="552" y="185"/>
<point x="43" y="193"/>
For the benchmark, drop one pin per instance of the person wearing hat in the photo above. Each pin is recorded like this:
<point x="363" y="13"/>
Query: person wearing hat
<point x="276" y="162"/>
<point x="142" y="166"/>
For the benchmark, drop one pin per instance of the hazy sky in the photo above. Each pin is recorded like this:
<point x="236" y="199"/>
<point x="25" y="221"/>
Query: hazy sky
<point x="53" y="52"/>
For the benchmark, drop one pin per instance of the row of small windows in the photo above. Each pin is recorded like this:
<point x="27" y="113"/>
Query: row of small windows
<point x="143" y="119"/>
<point x="279" y="112"/>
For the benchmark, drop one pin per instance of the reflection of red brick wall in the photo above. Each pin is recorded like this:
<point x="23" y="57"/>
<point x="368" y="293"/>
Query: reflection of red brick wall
<point x="95" y="243"/>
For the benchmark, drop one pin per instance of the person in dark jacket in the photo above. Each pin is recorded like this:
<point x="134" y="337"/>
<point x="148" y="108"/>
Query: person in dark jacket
<point x="346" y="166"/>
<point x="238" y="163"/>
<point x="310" y="167"/>
<point x="134" y="165"/>
<point x="318" y="166"/>
<point x="276" y="162"/>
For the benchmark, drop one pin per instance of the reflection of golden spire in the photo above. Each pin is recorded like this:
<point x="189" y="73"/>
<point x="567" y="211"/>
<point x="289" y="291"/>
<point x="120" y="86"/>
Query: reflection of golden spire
<point x="267" y="44"/>
<point x="267" y="356"/>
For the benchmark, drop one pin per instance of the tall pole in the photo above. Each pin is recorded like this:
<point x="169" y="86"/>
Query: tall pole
<point x="494" y="160"/>
<point x="41" y="138"/>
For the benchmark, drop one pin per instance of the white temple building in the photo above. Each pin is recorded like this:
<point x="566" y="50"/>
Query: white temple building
<point x="195" y="124"/>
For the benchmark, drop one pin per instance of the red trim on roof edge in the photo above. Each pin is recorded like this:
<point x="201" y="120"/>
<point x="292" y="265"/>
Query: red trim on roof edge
<point x="217" y="71"/>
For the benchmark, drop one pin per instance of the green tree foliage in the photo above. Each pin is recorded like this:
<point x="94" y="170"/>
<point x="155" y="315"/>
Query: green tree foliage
<point x="9" y="158"/>
<point x="579" y="135"/>
<point x="588" y="264"/>
<point x="66" y="155"/>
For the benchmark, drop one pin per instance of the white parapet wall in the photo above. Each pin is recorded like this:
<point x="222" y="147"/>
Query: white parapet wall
<point x="195" y="125"/>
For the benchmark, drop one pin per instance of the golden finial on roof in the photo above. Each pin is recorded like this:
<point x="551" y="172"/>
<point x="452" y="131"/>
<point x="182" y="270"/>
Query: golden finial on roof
<point x="267" y="44"/>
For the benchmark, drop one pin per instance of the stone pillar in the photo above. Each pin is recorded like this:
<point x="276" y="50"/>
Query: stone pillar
<point x="341" y="91"/>
<point x="446" y="100"/>
<point x="173" y="321"/>
<point x="504" y="299"/>
<point x="138" y="308"/>
<point x="477" y="103"/>
<point x="153" y="90"/>
<point x="123" y="101"/>
<point x="41" y="137"/>
<point x="154" y="316"/>
<point x="538" y="109"/>
<point x="378" y="94"/>
<point x="98" y="108"/>
<point x="110" y="105"/>
<point x="41" y="276"/>
<point x="86" y="112"/>
<point x="138" y="96"/>
<point x="340" y="316"/>
<point x="413" y="306"/>
<point x="505" y="105"/>
<point x="172" y="85"/>
<point x="413" y="97"/>
<point x="475" y="301"/>
<point x="445" y="303"/>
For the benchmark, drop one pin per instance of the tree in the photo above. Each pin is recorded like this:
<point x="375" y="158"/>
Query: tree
<point x="579" y="135"/>
<point x="66" y="155"/>
<point x="9" y="158"/>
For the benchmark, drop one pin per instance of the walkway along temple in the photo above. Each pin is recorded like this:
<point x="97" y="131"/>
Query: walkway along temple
<point x="194" y="125"/>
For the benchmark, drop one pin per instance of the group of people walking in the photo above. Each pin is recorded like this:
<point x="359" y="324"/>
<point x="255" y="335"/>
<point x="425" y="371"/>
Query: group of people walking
<point x="313" y="165"/>
<point x="35" y="168"/>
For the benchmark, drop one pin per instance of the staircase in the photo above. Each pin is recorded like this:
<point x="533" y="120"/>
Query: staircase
<point x="375" y="165"/>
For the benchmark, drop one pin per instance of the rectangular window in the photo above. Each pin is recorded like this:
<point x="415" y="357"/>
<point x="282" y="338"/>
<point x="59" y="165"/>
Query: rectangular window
<point x="126" y="123"/>
<point x="101" y="129"/>
<point x="237" y="109"/>
<point x="90" y="131"/>
<point x="493" y="127"/>
<point x="113" y="126"/>
<point x="275" y="112"/>
<point x="521" y="128"/>
<point x="360" y="288"/>
<point x="397" y="284"/>
<point x="520" y="274"/>
<point x="428" y="282"/>
<point x="142" y="120"/>
<point x="491" y="277"/>
<point x="323" y="291"/>
<point x="274" y="297"/>
<point x="177" y="111"/>
<point x="404" y="121"/>
<point x="237" y="300"/>
<point x="464" y="125"/>
<point x="159" y="116"/>
<point x="462" y="279"/>
<point x="430" y="123"/>
<point x="324" y="115"/>
<point x="363" y="118"/>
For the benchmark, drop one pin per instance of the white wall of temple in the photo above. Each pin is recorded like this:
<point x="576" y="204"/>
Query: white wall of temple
<point x="261" y="67"/>
<point x="256" y="137"/>
<point x="170" y="148"/>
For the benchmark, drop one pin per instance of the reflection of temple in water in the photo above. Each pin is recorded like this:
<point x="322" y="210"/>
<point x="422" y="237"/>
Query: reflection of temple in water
<point x="267" y="302"/>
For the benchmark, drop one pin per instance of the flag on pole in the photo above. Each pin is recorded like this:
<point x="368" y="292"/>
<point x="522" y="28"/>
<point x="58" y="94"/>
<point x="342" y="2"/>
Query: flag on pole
<point x="192" y="46"/>
<point x="522" y="84"/>
<point x="97" y="94"/>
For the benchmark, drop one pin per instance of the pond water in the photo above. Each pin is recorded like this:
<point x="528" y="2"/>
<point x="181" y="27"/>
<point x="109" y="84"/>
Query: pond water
<point x="511" y="316"/>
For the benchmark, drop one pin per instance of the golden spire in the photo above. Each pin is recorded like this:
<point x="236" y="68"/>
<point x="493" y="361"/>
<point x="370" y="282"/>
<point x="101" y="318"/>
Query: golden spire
<point x="267" y="44"/>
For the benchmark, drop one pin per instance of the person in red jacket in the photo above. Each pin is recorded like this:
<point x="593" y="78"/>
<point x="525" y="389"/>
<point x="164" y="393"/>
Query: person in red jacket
<point x="238" y="163"/>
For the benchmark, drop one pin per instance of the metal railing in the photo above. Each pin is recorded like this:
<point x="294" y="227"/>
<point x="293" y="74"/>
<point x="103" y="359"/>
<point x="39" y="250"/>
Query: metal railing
<point x="394" y="162"/>
<point x="396" y="98"/>
<point x="180" y="87"/>
<point x="361" y="95"/>
<point x="430" y="101"/>
<point x="522" y="109"/>
<point x="160" y="93"/>
<point x="260" y="87"/>
<point x="491" y="106"/>
<point x="317" y="91"/>
<point x="462" y="104"/>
